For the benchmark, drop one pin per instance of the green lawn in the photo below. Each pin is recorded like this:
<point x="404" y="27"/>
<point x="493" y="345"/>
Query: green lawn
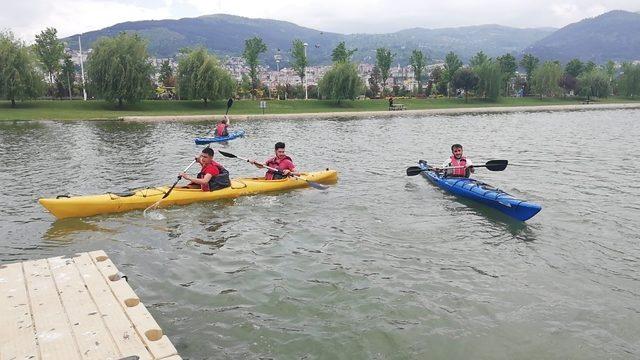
<point x="96" y="109"/>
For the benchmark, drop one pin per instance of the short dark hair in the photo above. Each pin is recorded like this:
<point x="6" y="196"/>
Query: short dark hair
<point x="208" y="151"/>
<point x="279" y="145"/>
<point x="456" y="146"/>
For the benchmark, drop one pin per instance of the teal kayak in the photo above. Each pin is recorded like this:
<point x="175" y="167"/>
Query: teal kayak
<point x="207" y="140"/>
<point x="482" y="193"/>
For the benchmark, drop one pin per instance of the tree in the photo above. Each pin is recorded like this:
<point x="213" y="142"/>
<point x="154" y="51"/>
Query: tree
<point x="418" y="62"/>
<point x="384" y="58"/>
<point x="341" y="53"/>
<point x="252" y="49"/>
<point x="546" y="79"/>
<point x="119" y="69"/>
<point x="18" y="77"/>
<point x="594" y="83"/>
<point x="49" y="51"/>
<point x="629" y="80"/>
<point x="590" y="66"/>
<point x="200" y="76"/>
<point x="529" y="63"/>
<point x="489" y="79"/>
<point x="166" y="77"/>
<point x="300" y="60"/>
<point x="341" y="82"/>
<point x="437" y="78"/>
<point x="478" y="59"/>
<point x="508" y="67"/>
<point x="575" y="67"/>
<point x="466" y="80"/>
<point x="68" y="74"/>
<point x="374" y="81"/>
<point x="569" y="83"/>
<point x="451" y="64"/>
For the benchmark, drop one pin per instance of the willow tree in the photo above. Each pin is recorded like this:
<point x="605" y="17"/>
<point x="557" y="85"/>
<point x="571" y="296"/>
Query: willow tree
<point x="489" y="79"/>
<point x="18" y="78"/>
<point x="341" y="82"/>
<point x="200" y="76"/>
<point x="546" y="79"/>
<point x="629" y="80"/>
<point x="119" y="69"/>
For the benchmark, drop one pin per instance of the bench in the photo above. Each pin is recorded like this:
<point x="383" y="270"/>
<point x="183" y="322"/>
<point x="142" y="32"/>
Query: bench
<point x="587" y="101"/>
<point x="397" y="107"/>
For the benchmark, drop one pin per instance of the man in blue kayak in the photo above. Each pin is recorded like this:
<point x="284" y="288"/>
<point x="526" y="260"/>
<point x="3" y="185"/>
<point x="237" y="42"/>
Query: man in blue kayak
<point x="457" y="165"/>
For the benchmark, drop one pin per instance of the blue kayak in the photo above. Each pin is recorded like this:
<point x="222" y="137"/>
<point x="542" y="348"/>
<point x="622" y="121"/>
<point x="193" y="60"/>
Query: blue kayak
<point x="483" y="193"/>
<point x="207" y="140"/>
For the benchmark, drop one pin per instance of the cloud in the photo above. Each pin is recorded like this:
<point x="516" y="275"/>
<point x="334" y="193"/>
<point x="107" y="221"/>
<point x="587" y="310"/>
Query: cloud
<point x="28" y="17"/>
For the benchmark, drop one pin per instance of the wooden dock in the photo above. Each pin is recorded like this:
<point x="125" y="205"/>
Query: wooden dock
<point x="75" y="308"/>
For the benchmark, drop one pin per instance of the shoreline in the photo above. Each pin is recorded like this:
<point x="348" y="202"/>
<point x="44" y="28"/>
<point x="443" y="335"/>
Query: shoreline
<point x="384" y="114"/>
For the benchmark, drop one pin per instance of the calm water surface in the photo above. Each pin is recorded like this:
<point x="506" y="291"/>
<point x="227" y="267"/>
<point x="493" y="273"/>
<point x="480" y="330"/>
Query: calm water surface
<point x="381" y="266"/>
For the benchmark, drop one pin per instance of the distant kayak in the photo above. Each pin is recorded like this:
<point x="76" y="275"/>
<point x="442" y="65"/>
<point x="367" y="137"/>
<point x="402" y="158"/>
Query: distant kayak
<point x="207" y="140"/>
<point x="89" y="205"/>
<point x="483" y="193"/>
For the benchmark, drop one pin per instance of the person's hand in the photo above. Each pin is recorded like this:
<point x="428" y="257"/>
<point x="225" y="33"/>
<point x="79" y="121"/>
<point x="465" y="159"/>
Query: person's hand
<point x="286" y="172"/>
<point x="184" y="176"/>
<point x="470" y="167"/>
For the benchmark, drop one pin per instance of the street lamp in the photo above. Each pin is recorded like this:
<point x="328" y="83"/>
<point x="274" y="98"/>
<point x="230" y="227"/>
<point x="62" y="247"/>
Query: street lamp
<point x="306" y="96"/>
<point x="277" y="58"/>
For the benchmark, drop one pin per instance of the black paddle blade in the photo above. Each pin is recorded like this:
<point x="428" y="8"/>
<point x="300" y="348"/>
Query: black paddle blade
<point x="496" y="165"/>
<point x="226" y="154"/>
<point x="229" y="103"/>
<point x="414" y="170"/>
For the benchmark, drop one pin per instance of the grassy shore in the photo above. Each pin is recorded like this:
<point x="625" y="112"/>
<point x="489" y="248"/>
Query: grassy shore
<point x="96" y="109"/>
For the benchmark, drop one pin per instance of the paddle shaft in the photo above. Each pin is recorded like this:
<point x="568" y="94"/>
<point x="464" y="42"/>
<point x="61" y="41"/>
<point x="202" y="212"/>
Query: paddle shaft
<point x="178" y="180"/>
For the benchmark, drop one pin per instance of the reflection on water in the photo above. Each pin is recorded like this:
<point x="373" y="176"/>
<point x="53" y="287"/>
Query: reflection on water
<point x="381" y="265"/>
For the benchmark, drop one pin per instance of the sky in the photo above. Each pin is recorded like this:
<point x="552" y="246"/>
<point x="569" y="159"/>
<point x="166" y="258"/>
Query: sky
<point x="26" y="18"/>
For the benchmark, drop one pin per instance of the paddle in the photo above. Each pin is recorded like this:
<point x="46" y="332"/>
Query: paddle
<point x="491" y="165"/>
<point x="229" y="103"/>
<point x="313" y="184"/>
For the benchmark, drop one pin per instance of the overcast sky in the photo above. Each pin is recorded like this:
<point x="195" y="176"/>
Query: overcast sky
<point x="28" y="17"/>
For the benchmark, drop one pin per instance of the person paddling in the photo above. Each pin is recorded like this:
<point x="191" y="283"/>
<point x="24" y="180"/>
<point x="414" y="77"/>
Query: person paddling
<point x="212" y="176"/>
<point x="459" y="165"/>
<point x="222" y="128"/>
<point x="281" y="161"/>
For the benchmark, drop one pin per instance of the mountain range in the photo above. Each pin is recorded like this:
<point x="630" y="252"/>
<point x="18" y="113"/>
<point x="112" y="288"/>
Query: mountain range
<point x="614" y="35"/>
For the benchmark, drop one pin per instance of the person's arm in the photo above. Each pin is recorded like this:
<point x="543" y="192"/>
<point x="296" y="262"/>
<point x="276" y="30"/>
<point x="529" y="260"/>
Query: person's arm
<point x="290" y="170"/>
<point x="226" y="117"/>
<point x="203" y="180"/>
<point x="470" y="166"/>
<point x="256" y="163"/>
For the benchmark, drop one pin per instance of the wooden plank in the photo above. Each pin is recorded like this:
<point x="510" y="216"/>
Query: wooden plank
<point x="17" y="333"/>
<point x="92" y="337"/>
<point x="122" y="331"/>
<point x="53" y="332"/>
<point x="150" y="332"/>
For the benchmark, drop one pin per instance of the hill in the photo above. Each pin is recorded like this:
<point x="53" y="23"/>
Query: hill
<point x="614" y="35"/>
<point x="225" y="35"/>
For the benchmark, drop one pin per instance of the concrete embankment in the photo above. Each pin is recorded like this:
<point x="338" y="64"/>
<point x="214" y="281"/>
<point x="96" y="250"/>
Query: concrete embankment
<point x="383" y="114"/>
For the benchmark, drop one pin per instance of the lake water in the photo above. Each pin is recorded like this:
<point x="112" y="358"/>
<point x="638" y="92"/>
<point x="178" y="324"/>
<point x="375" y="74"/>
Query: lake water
<point x="381" y="265"/>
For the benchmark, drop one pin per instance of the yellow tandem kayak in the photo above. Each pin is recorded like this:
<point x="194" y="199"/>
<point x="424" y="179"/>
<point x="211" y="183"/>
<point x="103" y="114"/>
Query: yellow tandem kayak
<point x="81" y="206"/>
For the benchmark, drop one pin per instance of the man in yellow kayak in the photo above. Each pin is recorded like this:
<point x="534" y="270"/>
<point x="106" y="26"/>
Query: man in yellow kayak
<point x="281" y="161"/>
<point x="457" y="165"/>
<point x="212" y="176"/>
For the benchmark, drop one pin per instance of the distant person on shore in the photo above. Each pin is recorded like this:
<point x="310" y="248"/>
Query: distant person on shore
<point x="390" y="101"/>
<point x="212" y="176"/>
<point x="459" y="166"/>
<point x="281" y="161"/>
<point x="222" y="128"/>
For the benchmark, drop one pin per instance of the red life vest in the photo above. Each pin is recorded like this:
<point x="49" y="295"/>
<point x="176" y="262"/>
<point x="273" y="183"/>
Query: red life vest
<point x="276" y="163"/>
<point x="221" y="130"/>
<point x="460" y="166"/>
